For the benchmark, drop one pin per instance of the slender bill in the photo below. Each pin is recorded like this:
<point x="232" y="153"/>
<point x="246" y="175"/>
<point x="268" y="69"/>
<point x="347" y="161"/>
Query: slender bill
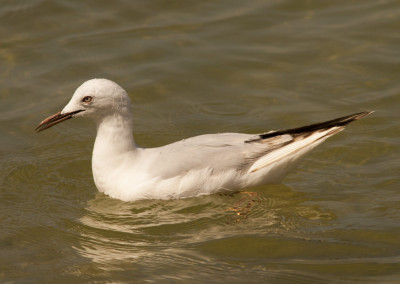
<point x="54" y="119"/>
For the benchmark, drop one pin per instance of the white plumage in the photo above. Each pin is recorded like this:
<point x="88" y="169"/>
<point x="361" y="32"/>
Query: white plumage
<point x="196" y="166"/>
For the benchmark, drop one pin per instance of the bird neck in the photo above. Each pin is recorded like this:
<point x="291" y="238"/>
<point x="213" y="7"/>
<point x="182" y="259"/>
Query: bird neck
<point x="114" y="136"/>
<point x="114" y="148"/>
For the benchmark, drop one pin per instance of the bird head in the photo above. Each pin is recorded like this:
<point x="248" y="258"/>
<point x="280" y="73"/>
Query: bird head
<point x="96" y="98"/>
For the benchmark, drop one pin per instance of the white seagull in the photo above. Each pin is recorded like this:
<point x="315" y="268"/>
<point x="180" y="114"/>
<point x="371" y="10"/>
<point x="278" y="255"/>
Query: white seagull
<point x="200" y="165"/>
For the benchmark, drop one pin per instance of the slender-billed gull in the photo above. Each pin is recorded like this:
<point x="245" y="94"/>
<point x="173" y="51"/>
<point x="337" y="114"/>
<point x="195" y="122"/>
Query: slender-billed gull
<point x="191" y="167"/>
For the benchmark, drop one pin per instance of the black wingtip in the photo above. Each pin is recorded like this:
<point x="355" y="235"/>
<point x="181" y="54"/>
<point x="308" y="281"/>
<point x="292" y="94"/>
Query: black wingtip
<point x="341" y="121"/>
<point x="352" y="117"/>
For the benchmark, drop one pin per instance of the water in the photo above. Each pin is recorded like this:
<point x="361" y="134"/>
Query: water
<point x="196" y="67"/>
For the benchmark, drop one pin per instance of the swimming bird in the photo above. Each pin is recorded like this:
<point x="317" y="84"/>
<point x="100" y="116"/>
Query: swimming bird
<point x="200" y="165"/>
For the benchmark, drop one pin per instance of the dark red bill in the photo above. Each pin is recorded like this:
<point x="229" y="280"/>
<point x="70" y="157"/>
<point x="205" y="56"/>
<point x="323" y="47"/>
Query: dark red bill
<point x="54" y="119"/>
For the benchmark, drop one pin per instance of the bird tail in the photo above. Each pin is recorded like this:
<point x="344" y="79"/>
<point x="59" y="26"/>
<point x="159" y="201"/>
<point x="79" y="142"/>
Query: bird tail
<point x="303" y="139"/>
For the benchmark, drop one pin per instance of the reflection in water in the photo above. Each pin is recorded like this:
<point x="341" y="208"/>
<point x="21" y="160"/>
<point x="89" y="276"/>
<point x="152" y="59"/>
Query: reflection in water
<point x="143" y="231"/>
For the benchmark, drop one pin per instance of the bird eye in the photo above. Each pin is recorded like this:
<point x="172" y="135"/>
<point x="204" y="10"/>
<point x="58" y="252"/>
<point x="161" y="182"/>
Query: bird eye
<point x="87" y="99"/>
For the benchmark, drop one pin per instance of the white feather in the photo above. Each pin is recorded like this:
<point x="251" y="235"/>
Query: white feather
<point x="304" y="143"/>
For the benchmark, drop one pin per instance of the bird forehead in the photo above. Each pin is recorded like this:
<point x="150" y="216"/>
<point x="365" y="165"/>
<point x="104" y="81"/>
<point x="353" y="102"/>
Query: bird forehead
<point x="98" y="87"/>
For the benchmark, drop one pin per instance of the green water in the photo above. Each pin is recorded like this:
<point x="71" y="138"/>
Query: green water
<point x="195" y="67"/>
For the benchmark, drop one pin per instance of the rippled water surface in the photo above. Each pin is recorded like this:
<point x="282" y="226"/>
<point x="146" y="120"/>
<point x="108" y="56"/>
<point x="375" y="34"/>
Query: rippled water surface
<point x="195" y="67"/>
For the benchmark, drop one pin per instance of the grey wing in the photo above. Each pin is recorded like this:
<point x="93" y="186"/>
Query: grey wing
<point x="219" y="152"/>
<point x="243" y="152"/>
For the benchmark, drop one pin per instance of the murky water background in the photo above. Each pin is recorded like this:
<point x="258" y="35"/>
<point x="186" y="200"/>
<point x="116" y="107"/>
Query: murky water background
<point x="195" y="67"/>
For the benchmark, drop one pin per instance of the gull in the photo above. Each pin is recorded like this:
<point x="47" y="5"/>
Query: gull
<point x="196" y="166"/>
